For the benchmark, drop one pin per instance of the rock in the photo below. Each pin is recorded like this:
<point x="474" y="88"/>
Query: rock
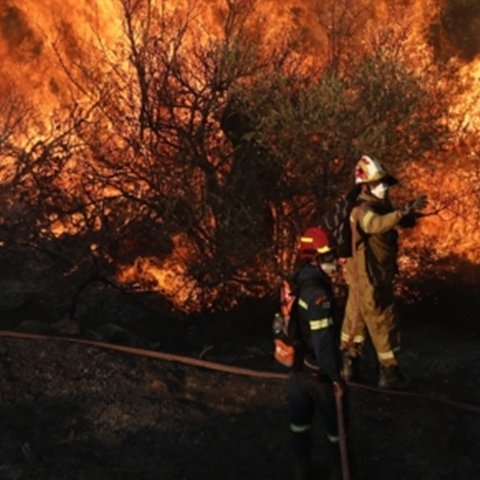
<point x="66" y="327"/>
<point x="34" y="326"/>
<point x="111" y="332"/>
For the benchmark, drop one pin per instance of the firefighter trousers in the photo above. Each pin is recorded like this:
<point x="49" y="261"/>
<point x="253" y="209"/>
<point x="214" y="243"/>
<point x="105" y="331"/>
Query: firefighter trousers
<point x="370" y="308"/>
<point x="307" y="395"/>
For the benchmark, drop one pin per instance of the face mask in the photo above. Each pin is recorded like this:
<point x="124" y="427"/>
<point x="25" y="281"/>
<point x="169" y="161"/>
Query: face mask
<point x="380" y="190"/>
<point x="329" y="267"/>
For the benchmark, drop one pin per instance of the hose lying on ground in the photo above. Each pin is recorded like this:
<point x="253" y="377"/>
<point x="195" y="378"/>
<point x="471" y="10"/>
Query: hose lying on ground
<point x="220" y="367"/>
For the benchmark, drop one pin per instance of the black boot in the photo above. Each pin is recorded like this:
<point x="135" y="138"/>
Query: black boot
<point x="336" y="474"/>
<point x="391" y="377"/>
<point x="302" y="469"/>
<point x="336" y="471"/>
<point x="350" y="368"/>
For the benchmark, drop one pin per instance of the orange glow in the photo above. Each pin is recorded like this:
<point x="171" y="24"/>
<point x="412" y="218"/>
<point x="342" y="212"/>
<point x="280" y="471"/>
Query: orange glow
<point x="452" y="187"/>
<point x="30" y="30"/>
<point x="36" y="36"/>
<point x="169" y="277"/>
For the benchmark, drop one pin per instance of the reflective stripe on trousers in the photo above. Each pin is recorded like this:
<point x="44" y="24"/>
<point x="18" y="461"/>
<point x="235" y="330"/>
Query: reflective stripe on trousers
<point x="299" y="428"/>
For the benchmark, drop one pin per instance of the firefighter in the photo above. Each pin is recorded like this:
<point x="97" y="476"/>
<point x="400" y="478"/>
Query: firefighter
<point x="315" y="377"/>
<point x="370" y="274"/>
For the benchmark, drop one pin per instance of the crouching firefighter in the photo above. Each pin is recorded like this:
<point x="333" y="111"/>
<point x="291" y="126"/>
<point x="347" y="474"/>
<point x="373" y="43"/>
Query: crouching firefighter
<point x="314" y="380"/>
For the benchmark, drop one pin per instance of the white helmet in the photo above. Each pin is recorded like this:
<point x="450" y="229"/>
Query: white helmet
<point x="369" y="170"/>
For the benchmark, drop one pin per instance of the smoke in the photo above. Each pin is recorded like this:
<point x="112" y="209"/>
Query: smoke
<point x="23" y="43"/>
<point x="460" y="21"/>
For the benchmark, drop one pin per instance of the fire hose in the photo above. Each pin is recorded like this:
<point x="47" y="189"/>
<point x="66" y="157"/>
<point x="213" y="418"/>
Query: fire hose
<point x="220" y="367"/>
<point x="232" y="369"/>
<point x="342" y="435"/>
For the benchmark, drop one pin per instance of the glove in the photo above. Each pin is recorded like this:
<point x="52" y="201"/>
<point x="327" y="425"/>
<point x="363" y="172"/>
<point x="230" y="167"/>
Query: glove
<point x="418" y="204"/>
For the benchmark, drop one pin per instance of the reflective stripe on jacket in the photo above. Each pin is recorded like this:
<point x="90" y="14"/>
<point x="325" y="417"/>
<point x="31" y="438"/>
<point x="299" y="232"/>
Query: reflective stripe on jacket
<point x="374" y="224"/>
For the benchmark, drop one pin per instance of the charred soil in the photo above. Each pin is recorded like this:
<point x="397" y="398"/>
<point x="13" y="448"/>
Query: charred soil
<point x="73" y="411"/>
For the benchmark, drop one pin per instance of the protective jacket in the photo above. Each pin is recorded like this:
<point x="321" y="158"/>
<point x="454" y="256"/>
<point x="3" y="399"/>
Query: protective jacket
<point x="374" y="223"/>
<point x="318" y="330"/>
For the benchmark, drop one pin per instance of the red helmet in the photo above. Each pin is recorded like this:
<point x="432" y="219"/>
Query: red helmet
<point x="315" y="241"/>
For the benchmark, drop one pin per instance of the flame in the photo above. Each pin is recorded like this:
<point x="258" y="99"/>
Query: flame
<point x="170" y="277"/>
<point x="33" y="33"/>
<point x="36" y="35"/>
<point x="452" y="228"/>
<point x="469" y="102"/>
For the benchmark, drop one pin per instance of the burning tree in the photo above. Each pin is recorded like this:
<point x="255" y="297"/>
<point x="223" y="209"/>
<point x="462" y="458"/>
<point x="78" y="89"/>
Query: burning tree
<point x="192" y="158"/>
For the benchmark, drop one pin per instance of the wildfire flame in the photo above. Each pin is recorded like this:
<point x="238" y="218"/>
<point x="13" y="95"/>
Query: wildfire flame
<point x="34" y="36"/>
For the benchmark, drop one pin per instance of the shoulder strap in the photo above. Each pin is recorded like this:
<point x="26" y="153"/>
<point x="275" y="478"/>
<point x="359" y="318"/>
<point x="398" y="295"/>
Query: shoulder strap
<point x="358" y="235"/>
<point x="305" y="283"/>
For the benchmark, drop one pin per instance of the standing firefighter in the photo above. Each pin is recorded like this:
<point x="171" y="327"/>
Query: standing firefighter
<point x="370" y="273"/>
<point x="315" y="377"/>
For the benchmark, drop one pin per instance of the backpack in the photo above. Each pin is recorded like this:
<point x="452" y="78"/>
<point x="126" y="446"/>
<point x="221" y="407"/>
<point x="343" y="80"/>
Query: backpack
<point x="285" y="326"/>
<point x="337" y="222"/>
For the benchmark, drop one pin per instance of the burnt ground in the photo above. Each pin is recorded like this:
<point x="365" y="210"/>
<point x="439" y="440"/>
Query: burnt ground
<point x="76" y="412"/>
<point x="71" y="411"/>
